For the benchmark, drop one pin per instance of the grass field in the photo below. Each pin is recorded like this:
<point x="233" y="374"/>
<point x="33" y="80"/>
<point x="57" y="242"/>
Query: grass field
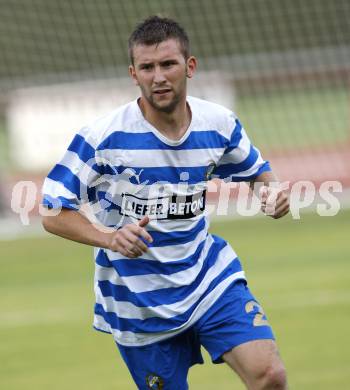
<point x="299" y="270"/>
<point x="294" y="118"/>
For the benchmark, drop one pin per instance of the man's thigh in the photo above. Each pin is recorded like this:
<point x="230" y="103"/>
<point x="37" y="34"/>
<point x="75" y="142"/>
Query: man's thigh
<point x="255" y="362"/>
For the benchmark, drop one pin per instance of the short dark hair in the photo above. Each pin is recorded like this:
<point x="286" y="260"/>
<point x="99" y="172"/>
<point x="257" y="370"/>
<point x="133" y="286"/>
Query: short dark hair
<point x="156" y="29"/>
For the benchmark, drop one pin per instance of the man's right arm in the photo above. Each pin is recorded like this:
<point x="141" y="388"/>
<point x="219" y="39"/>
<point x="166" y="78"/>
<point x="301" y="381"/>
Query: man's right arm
<point x="74" y="226"/>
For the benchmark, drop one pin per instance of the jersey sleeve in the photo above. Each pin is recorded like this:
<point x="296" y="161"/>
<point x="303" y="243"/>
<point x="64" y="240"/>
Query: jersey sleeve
<point x="241" y="160"/>
<point x="72" y="181"/>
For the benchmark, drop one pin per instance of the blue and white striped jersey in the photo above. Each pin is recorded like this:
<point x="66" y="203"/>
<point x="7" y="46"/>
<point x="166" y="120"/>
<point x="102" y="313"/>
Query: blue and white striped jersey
<point x="124" y="169"/>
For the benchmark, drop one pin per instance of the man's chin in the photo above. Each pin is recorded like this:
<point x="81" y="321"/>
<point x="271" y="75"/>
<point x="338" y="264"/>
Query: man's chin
<point x="167" y="107"/>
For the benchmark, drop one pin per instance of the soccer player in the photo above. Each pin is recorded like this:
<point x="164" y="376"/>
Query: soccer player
<point x="164" y="286"/>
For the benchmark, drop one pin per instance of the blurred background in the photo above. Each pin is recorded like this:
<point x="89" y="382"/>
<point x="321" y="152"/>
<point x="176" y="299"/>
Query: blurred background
<point x="284" y="68"/>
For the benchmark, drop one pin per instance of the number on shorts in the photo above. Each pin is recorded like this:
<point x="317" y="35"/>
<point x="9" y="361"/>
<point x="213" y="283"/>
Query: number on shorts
<point x="259" y="319"/>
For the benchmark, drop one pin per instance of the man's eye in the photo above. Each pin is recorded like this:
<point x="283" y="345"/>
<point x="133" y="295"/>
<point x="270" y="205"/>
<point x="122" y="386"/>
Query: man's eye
<point x="146" y="67"/>
<point x="168" y="64"/>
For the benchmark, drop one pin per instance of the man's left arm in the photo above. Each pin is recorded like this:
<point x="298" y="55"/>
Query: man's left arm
<point x="274" y="199"/>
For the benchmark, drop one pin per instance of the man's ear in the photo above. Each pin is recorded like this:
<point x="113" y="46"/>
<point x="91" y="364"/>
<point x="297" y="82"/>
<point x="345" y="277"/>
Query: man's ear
<point x="191" y="65"/>
<point x="132" y="74"/>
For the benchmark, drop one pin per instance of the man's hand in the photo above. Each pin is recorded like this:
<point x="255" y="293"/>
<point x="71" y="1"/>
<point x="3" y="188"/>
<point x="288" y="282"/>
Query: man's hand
<point x="274" y="201"/>
<point x="127" y="240"/>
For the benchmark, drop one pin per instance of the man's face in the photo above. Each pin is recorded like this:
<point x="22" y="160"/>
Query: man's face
<point x="160" y="71"/>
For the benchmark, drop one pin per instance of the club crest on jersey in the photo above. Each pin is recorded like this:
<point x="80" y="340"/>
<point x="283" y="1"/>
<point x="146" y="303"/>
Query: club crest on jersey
<point x="154" y="382"/>
<point x="209" y="171"/>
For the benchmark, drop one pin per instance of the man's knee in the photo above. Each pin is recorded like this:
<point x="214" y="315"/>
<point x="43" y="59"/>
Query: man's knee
<point x="273" y="377"/>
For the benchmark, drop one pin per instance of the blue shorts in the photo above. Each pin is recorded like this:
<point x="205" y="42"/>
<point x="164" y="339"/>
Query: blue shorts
<point x="234" y="319"/>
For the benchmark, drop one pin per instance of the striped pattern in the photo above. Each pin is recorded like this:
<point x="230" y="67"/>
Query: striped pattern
<point x="185" y="270"/>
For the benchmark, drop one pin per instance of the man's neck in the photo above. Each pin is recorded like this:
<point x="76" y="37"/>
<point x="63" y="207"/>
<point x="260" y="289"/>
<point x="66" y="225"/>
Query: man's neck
<point x="172" y="125"/>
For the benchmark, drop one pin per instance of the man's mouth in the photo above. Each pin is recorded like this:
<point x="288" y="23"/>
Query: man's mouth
<point x="162" y="91"/>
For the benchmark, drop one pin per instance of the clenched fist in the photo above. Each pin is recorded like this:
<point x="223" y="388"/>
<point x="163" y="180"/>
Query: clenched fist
<point x="274" y="201"/>
<point x="127" y="240"/>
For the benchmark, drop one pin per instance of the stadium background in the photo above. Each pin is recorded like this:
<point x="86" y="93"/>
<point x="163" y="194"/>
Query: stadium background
<point x="284" y="67"/>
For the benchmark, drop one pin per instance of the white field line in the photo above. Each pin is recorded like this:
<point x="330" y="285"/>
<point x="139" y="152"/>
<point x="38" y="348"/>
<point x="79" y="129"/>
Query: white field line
<point x="300" y="300"/>
<point x="306" y="298"/>
<point x="45" y="317"/>
<point x="12" y="229"/>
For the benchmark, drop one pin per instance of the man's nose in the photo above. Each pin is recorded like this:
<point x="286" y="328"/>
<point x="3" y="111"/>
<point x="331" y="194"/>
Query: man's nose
<point x="158" y="75"/>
